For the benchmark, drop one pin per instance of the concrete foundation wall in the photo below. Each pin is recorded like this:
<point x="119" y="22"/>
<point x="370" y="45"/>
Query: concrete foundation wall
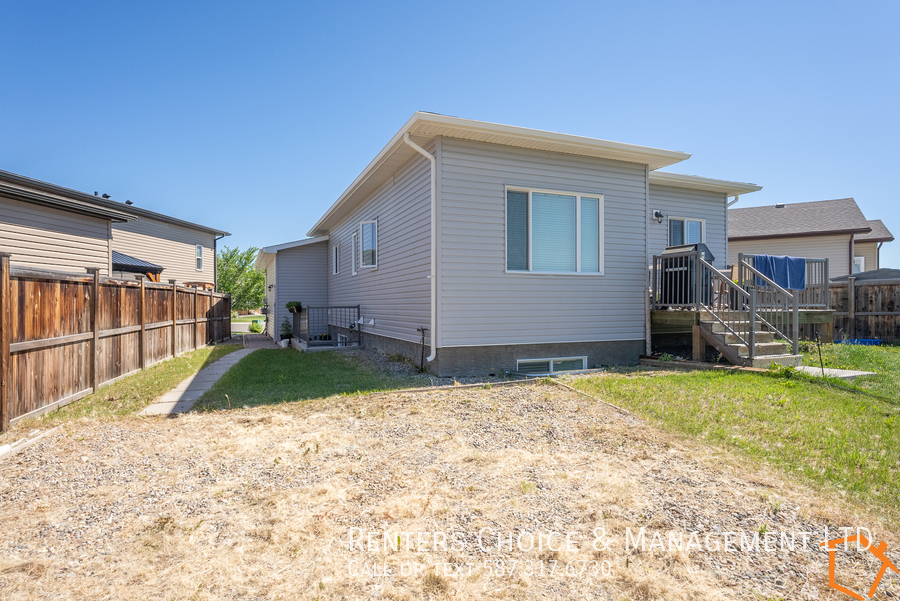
<point x="485" y="360"/>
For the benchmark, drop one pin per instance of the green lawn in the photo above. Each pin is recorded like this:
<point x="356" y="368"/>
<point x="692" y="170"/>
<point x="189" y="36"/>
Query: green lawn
<point x="248" y="318"/>
<point x="130" y="395"/>
<point x="885" y="360"/>
<point x="274" y="376"/>
<point x="827" y="434"/>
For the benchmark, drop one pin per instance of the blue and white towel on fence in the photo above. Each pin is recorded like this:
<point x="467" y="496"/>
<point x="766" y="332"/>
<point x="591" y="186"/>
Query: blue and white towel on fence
<point x="787" y="272"/>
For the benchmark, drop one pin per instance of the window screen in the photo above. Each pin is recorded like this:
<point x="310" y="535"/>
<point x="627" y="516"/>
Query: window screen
<point x="369" y="244"/>
<point x="552" y="243"/>
<point x="676" y="232"/>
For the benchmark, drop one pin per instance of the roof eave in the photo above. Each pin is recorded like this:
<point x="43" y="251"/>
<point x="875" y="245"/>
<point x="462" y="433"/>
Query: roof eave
<point x="799" y="235"/>
<point x="655" y="158"/>
<point x="695" y="182"/>
<point x="71" y="205"/>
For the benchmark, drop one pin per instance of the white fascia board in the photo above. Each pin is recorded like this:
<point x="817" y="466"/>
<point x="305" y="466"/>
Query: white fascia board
<point x="275" y="248"/>
<point x="695" y="182"/>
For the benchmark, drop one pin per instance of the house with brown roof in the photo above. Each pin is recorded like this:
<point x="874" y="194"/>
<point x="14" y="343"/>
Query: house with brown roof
<point x="833" y="229"/>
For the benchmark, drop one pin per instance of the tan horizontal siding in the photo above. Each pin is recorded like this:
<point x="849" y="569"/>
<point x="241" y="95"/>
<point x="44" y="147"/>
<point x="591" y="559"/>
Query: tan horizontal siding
<point x="869" y="250"/>
<point x="47" y="238"/>
<point x="834" y="248"/>
<point x="480" y="304"/>
<point x="171" y="246"/>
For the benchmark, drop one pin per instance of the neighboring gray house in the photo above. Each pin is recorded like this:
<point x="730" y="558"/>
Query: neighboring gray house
<point x="541" y="245"/>
<point x="835" y="230"/>
<point x="46" y="226"/>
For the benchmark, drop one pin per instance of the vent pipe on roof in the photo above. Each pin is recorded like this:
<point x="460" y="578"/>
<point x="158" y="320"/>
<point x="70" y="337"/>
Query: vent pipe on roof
<point x="433" y="275"/>
<point x="779" y="205"/>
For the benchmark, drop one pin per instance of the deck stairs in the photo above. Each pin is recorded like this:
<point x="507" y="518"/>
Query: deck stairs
<point x="735" y="351"/>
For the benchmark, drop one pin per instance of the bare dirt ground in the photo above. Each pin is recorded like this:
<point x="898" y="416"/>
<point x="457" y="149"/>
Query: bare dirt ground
<point x="283" y="502"/>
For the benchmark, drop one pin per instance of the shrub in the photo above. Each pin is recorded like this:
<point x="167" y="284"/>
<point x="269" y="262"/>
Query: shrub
<point x="255" y="327"/>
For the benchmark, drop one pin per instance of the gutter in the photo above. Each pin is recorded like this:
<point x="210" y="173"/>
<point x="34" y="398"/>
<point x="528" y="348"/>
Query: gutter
<point x="433" y="275"/>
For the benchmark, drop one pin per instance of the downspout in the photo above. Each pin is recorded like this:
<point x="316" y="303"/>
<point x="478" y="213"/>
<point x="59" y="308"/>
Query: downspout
<point x="216" y="263"/>
<point x="852" y="252"/>
<point x="433" y="275"/>
<point x="878" y="255"/>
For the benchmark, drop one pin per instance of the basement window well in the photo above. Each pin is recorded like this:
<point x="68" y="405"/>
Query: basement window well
<point x="549" y="366"/>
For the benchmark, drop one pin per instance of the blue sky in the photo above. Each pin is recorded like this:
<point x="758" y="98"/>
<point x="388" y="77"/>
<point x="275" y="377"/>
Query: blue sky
<point x="254" y="117"/>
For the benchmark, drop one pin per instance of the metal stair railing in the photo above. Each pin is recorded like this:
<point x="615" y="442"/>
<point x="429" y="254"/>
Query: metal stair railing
<point x="726" y="302"/>
<point x="774" y="307"/>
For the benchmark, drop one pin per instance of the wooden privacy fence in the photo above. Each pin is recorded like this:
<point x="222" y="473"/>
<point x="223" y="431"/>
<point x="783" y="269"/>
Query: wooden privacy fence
<point x="62" y="335"/>
<point x="868" y="309"/>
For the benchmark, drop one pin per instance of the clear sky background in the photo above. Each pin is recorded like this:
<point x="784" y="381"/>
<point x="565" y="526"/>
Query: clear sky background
<point x="254" y="117"/>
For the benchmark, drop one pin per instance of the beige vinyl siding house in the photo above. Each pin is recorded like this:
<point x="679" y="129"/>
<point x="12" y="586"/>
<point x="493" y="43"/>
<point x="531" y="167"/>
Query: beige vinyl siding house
<point x="48" y="227"/>
<point x="170" y="245"/>
<point x="835" y="230"/>
<point x="439" y="196"/>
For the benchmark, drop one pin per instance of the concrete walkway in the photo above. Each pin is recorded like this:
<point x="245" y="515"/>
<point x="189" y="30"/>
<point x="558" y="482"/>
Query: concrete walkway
<point x="181" y="398"/>
<point x="255" y="341"/>
<point x="844" y="374"/>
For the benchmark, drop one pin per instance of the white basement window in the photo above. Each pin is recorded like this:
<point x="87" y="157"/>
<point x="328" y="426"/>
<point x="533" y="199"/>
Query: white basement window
<point x="336" y="259"/>
<point x="198" y="255"/>
<point x="549" y="366"/>
<point x="554" y="232"/>
<point x="686" y="231"/>
<point x="369" y="236"/>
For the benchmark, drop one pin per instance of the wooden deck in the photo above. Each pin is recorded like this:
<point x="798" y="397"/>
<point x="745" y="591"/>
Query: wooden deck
<point x="683" y="322"/>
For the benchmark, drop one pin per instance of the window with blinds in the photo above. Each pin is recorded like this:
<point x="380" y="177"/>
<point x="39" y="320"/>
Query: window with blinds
<point x="369" y="236"/>
<point x="554" y="232"/>
<point x="685" y="231"/>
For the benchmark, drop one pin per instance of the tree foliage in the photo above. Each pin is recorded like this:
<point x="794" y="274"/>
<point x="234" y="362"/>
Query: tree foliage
<point x="239" y="276"/>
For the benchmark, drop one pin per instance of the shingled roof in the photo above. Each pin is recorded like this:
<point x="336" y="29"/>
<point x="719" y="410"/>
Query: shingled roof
<point x="123" y="262"/>
<point x="879" y="233"/>
<point x="819" y="218"/>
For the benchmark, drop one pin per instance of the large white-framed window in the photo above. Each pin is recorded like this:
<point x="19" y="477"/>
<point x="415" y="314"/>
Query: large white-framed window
<point x="684" y="230"/>
<point x="368" y="235"/>
<point x="336" y="259"/>
<point x="553" y="232"/>
<point x="355" y="262"/>
<point x="198" y="257"/>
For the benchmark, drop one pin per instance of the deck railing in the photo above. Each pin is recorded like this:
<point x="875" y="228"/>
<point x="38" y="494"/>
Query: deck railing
<point x="751" y="303"/>
<point x="328" y="326"/>
<point x="817" y="293"/>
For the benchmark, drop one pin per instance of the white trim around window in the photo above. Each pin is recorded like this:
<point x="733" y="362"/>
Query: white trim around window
<point x="584" y="260"/>
<point x="684" y="221"/>
<point x="336" y="259"/>
<point x="198" y="258"/>
<point x="368" y="237"/>
<point x="554" y="364"/>
<point x="354" y="264"/>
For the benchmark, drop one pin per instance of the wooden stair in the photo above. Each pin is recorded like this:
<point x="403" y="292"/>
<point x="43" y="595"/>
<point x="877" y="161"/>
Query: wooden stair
<point x="768" y="351"/>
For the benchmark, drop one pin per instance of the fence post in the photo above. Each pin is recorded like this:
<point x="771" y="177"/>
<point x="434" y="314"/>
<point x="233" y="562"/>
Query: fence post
<point x="143" y="328"/>
<point x="95" y="326"/>
<point x="851" y="305"/>
<point x="195" y="317"/>
<point x="697" y="284"/>
<point x="174" y="315"/>
<point x="5" y="313"/>
<point x="827" y="287"/>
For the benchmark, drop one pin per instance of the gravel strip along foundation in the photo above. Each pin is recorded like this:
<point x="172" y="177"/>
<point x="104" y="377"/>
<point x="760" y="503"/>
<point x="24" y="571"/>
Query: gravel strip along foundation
<point x="293" y="501"/>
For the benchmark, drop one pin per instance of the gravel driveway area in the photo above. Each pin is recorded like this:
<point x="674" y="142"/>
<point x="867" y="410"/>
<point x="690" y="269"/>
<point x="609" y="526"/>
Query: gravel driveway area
<point x="349" y="497"/>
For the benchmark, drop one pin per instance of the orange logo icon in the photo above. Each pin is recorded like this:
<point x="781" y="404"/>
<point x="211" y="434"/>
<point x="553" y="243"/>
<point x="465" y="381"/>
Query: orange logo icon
<point x="876" y="551"/>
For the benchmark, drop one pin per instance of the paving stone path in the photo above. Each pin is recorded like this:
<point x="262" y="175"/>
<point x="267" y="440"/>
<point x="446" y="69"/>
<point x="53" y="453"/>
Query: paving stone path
<point x="182" y="398"/>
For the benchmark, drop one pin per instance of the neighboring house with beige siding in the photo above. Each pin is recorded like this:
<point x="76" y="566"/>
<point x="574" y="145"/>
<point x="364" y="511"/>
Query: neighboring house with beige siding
<point x="512" y="247"/>
<point x="46" y="226"/>
<point x="186" y="251"/>
<point x="835" y="230"/>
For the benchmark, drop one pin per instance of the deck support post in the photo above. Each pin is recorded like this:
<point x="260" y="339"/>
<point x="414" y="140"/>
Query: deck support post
<point x="95" y="327"/>
<point x="699" y="345"/>
<point x="5" y="320"/>
<point x="795" y="333"/>
<point x="751" y="347"/>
